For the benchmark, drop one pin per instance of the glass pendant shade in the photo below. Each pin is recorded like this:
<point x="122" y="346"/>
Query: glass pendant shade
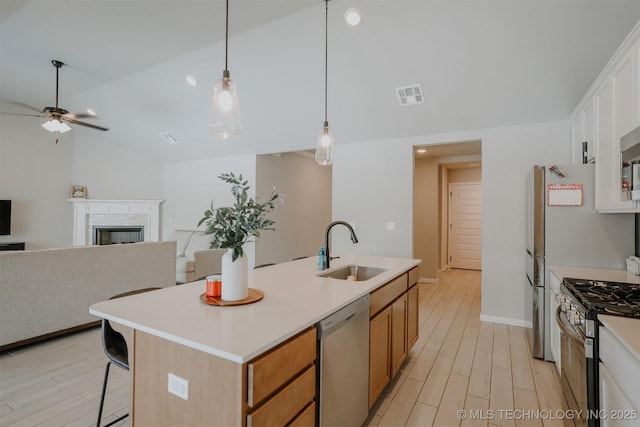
<point x="54" y="125"/>
<point x="324" y="147"/>
<point x="225" y="109"/>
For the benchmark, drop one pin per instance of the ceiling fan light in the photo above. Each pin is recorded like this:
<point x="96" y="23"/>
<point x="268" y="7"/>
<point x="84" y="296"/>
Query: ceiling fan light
<point x="54" y="125"/>
<point x="225" y="109"/>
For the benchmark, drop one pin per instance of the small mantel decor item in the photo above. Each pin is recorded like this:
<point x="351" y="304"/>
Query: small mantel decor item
<point x="232" y="227"/>
<point x="78" y="192"/>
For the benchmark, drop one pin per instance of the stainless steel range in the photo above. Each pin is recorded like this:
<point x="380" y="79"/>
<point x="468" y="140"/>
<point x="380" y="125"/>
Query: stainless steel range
<point x="581" y="302"/>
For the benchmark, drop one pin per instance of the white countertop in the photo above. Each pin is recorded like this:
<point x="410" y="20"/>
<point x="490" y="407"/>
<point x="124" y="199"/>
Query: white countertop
<point x="594" y="274"/>
<point x="626" y="330"/>
<point x="294" y="299"/>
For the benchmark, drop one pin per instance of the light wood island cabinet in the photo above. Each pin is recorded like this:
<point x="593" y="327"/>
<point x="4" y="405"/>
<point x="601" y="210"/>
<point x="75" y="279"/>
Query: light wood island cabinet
<point x="276" y="388"/>
<point x="256" y="364"/>
<point x="393" y="329"/>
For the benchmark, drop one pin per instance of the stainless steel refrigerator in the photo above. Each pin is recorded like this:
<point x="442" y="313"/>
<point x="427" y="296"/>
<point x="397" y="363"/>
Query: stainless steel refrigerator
<point x="563" y="228"/>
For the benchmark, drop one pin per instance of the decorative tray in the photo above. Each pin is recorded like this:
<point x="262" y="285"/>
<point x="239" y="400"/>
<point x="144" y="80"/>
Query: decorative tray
<point x="254" y="295"/>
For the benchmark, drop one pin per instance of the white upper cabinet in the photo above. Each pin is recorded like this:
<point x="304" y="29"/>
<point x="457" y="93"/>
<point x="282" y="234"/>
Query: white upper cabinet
<point x="609" y="110"/>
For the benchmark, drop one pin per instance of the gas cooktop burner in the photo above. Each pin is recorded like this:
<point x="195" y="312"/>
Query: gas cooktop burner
<point x="619" y="299"/>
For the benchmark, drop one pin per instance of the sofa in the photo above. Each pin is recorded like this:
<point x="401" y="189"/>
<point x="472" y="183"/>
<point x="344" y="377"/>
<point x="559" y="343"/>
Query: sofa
<point x="44" y="293"/>
<point x="194" y="259"/>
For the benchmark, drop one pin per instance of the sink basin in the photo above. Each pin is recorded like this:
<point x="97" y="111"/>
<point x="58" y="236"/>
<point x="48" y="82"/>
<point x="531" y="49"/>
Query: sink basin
<point x="359" y="272"/>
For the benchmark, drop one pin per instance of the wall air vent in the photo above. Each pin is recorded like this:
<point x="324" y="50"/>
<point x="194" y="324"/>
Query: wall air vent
<point x="410" y="95"/>
<point x="169" y="138"/>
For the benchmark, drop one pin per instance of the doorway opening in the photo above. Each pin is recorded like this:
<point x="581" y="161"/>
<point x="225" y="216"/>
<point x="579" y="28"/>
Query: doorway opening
<point x="441" y="172"/>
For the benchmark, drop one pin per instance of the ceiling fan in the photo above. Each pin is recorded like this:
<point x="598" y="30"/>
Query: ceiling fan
<point x="59" y="117"/>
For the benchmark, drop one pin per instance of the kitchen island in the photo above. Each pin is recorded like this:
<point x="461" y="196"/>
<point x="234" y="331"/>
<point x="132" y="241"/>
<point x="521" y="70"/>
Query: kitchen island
<point x="227" y="353"/>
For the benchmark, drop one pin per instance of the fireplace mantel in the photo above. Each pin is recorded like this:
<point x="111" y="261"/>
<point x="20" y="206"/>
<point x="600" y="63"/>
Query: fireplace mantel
<point x="89" y="212"/>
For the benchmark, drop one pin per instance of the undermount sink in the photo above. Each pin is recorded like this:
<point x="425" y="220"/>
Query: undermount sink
<point x="358" y="272"/>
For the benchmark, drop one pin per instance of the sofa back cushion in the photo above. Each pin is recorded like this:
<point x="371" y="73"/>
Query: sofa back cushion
<point x="199" y="242"/>
<point x="182" y="238"/>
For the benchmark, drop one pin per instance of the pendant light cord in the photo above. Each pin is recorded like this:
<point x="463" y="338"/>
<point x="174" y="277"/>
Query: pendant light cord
<point x="326" y="57"/>
<point x="226" y="36"/>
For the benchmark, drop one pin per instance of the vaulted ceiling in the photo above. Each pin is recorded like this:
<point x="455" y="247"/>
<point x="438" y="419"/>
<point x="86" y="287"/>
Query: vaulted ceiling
<point x="480" y="64"/>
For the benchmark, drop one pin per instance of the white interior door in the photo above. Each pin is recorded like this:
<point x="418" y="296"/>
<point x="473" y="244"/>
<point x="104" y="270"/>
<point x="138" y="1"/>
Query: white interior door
<point x="465" y="226"/>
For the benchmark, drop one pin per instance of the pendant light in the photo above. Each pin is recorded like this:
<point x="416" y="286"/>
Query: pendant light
<point x="324" y="146"/>
<point x="225" y="108"/>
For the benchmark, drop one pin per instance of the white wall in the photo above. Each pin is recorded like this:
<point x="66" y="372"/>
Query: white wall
<point x="190" y="187"/>
<point x="35" y="173"/>
<point x="302" y="219"/>
<point x="372" y="185"/>
<point x="110" y="172"/>
<point x="507" y="155"/>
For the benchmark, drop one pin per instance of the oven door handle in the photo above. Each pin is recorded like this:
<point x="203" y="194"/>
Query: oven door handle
<point x="569" y="332"/>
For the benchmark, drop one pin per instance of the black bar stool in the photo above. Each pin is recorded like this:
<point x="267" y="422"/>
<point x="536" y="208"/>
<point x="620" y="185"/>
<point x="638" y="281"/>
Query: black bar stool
<point x="115" y="347"/>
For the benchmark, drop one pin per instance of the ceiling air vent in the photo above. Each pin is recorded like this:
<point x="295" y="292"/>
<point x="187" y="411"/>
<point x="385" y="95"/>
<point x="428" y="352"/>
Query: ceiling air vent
<point x="410" y="95"/>
<point x="169" y="138"/>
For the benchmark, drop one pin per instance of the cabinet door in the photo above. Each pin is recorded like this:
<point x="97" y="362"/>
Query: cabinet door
<point x="589" y="129"/>
<point x="379" y="354"/>
<point x="554" y="329"/>
<point x="398" y="333"/>
<point x="623" y="86"/>
<point x="604" y="150"/>
<point x="614" y="403"/>
<point x="412" y="316"/>
<point x="583" y="129"/>
<point x="636" y="93"/>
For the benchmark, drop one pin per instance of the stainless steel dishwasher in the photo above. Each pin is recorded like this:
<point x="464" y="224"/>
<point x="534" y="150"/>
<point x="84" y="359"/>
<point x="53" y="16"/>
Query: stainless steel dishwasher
<point x="344" y="366"/>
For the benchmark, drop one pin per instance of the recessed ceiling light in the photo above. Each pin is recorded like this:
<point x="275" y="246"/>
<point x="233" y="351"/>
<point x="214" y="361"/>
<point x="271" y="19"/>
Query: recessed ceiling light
<point x="352" y="17"/>
<point x="91" y="112"/>
<point x="191" y="81"/>
<point x="421" y="150"/>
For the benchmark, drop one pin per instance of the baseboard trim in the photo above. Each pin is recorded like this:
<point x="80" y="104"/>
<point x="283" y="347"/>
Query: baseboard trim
<point x="50" y="335"/>
<point x="427" y="280"/>
<point x="506" y="321"/>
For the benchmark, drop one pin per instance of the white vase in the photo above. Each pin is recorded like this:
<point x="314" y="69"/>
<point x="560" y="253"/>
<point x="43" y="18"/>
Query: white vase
<point x="235" y="281"/>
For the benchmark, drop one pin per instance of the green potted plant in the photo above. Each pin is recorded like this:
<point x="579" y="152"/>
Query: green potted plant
<point x="232" y="227"/>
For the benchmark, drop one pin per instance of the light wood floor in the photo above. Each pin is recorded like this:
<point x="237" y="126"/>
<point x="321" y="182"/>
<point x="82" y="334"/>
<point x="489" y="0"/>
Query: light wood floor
<point x="459" y="363"/>
<point x="462" y="364"/>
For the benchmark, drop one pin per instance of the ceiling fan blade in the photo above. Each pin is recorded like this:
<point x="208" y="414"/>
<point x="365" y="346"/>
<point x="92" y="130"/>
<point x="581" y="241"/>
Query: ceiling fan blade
<point x="76" y="122"/>
<point x="74" y="116"/>
<point x="28" y="107"/>
<point x="21" y="114"/>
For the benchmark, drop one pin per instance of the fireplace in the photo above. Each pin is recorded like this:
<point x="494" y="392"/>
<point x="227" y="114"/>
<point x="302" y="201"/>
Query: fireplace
<point x="115" y="235"/>
<point x="122" y="215"/>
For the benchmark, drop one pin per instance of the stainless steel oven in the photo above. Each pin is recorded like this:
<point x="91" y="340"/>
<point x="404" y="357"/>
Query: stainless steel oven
<point x="581" y="302"/>
<point x="573" y="376"/>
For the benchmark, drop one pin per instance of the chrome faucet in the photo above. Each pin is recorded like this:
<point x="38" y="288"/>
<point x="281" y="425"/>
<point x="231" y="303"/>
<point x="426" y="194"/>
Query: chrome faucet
<point x="354" y="239"/>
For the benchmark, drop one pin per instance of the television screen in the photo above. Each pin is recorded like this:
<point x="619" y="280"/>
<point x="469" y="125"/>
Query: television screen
<point x="5" y="217"/>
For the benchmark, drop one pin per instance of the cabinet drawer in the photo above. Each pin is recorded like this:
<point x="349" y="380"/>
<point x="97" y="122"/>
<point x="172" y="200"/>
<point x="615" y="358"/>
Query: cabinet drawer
<point x="307" y="418"/>
<point x="387" y="293"/>
<point x="284" y="406"/>
<point x="622" y="366"/>
<point x="414" y="276"/>
<point x="271" y="371"/>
